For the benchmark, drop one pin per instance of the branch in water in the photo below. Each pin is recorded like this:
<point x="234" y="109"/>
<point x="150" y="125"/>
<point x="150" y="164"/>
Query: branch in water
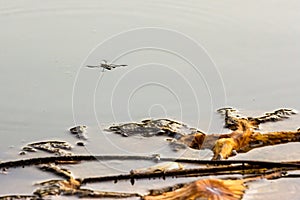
<point x="62" y="159"/>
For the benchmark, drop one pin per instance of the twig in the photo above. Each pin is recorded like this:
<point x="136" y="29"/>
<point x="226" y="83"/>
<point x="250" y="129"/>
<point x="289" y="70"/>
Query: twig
<point x="22" y="197"/>
<point x="59" y="159"/>
<point x="193" y="172"/>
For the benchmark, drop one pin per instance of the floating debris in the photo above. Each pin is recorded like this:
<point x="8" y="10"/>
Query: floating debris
<point x="79" y="131"/>
<point x="80" y="143"/>
<point x="243" y="137"/>
<point x="65" y="173"/>
<point x="205" y="188"/>
<point x="156" y="157"/>
<point x="56" y="147"/>
<point x="29" y="149"/>
<point x="22" y="197"/>
<point x="68" y="188"/>
<point x="57" y="187"/>
<point x="210" y="189"/>
<point x="232" y="118"/>
<point x="21" y="153"/>
<point x="3" y="171"/>
<point x="106" y="66"/>
<point x="148" y="128"/>
<point x="71" y="186"/>
<point x="161" y="167"/>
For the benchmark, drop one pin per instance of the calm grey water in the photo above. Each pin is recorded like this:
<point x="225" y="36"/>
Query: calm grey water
<point x="185" y="60"/>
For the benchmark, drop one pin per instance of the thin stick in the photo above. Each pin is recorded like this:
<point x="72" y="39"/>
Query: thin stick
<point x="224" y="170"/>
<point x="61" y="159"/>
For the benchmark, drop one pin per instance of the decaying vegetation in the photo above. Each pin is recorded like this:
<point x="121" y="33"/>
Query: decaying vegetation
<point x="244" y="136"/>
<point x="227" y="189"/>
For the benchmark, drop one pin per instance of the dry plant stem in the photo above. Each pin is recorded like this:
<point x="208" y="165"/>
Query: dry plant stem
<point x="202" y="188"/>
<point x="101" y="158"/>
<point x="215" y="170"/>
<point x="71" y="186"/>
<point x="64" y="173"/>
<point x="195" y="172"/>
<point x="231" y="167"/>
<point x="22" y="197"/>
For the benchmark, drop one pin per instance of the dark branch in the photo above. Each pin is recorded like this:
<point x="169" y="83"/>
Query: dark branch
<point x="61" y="159"/>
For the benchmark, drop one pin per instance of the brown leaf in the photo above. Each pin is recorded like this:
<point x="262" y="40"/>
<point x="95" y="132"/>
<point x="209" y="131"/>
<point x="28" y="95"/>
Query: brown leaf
<point x="210" y="189"/>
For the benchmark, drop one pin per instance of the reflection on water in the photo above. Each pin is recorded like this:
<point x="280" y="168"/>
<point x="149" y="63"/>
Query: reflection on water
<point x="249" y="60"/>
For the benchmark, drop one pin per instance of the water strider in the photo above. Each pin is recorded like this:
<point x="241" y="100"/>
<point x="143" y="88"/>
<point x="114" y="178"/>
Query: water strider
<point x="105" y="65"/>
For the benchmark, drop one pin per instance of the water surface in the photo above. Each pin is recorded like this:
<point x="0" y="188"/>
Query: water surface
<point x="200" y="56"/>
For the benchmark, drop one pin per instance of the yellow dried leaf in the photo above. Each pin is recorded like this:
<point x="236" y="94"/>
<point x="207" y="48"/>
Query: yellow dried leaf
<point x="209" y="189"/>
